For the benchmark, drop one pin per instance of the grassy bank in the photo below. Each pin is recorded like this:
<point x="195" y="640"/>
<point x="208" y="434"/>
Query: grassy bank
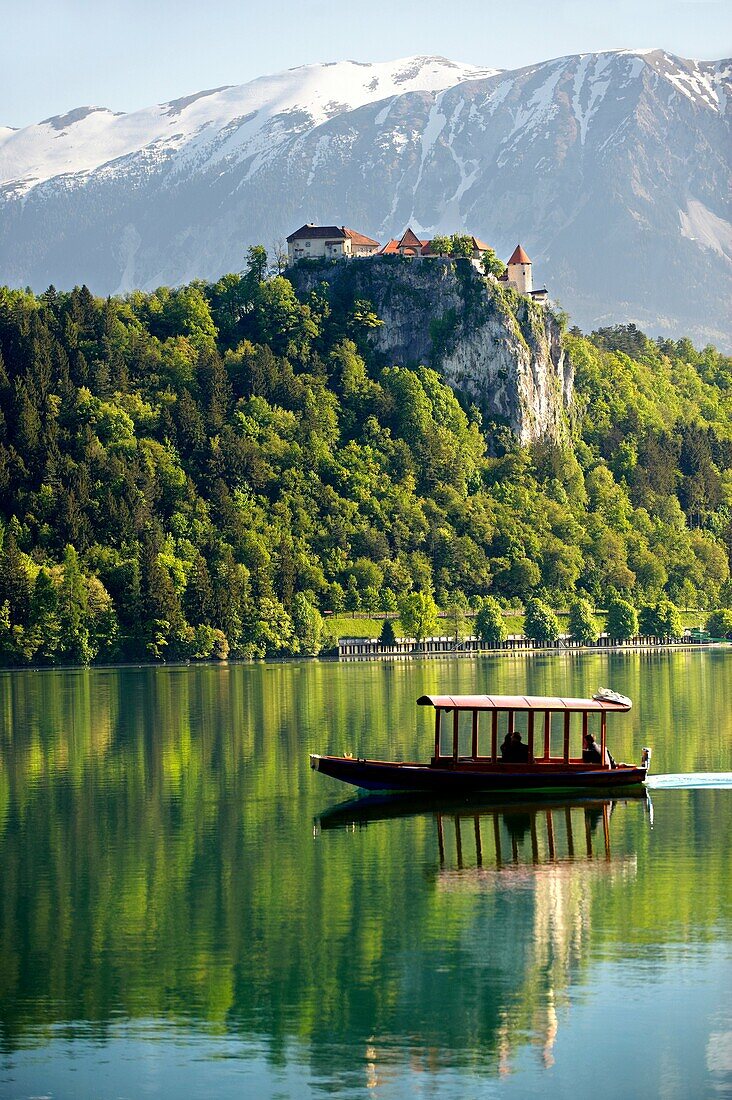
<point x="348" y="626"/>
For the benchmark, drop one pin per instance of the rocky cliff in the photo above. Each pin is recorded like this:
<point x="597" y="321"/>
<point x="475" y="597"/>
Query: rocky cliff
<point x="495" y="346"/>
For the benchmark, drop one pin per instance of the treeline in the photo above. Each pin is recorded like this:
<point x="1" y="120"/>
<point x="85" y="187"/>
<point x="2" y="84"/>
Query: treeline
<point x="203" y="472"/>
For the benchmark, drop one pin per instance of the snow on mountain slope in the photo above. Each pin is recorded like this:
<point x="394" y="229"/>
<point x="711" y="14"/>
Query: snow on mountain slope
<point x="90" y="137"/>
<point x="613" y="169"/>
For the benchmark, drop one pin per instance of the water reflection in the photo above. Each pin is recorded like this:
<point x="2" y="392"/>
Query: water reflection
<point x="159" y="869"/>
<point x="549" y="851"/>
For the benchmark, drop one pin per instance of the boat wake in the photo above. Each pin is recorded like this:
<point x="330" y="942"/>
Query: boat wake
<point x="690" y="781"/>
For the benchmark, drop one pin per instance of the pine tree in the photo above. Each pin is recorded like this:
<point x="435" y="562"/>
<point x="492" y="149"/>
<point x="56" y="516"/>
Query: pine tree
<point x="44" y="621"/>
<point x="15" y="584"/>
<point x="307" y="623"/>
<point x="75" y="644"/>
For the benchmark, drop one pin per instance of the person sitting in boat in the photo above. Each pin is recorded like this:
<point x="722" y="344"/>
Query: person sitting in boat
<point x="591" y="750"/>
<point x="513" y="749"/>
<point x="591" y="753"/>
<point x="521" y="751"/>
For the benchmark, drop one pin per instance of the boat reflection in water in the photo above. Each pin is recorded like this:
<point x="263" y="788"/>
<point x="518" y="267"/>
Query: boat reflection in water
<point x="543" y="862"/>
<point x="496" y="836"/>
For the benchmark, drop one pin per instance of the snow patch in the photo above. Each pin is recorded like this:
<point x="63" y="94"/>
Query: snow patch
<point x="589" y="88"/>
<point x="435" y="125"/>
<point x="93" y="137"/>
<point x="128" y="246"/>
<point x="321" y="148"/>
<point x="701" y="82"/>
<point x="700" y="224"/>
<point x="383" y="114"/>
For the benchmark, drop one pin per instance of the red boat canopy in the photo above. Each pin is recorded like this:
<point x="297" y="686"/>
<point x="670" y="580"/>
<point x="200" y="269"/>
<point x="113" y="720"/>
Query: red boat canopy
<point x="516" y="702"/>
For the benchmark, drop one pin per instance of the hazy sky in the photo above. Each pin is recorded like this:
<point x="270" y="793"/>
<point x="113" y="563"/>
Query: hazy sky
<point x="59" y="54"/>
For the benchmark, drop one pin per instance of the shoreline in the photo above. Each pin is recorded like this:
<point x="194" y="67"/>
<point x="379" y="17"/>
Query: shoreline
<point x="499" y="651"/>
<point x="539" y="651"/>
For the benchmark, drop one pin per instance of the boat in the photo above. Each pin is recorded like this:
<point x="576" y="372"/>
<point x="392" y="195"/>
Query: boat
<point x="473" y="763"/>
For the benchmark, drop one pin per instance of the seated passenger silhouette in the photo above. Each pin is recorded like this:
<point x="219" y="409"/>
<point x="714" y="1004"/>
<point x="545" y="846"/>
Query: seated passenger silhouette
<point x="519" y="749"/>
<point x="591" y="750"/>
<point x="591" y="753"/>
<point x="513" y="749"/>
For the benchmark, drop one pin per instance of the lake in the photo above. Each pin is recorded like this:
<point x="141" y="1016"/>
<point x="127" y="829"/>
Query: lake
<point x="182" y="913"/>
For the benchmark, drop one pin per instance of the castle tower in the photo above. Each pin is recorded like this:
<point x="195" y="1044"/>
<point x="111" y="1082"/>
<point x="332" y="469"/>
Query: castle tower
<point x="519" y="271"/>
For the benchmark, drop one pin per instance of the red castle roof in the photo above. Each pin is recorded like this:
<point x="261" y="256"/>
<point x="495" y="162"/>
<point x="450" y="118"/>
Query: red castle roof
<point x="410" y="241"/>
<point x="359" y="238"/>
<point x="519" y="256"/>
<point x="312" y="232"/>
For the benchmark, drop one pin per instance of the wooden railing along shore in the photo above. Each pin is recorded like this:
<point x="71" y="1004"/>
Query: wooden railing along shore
<point x="360" y="649"/>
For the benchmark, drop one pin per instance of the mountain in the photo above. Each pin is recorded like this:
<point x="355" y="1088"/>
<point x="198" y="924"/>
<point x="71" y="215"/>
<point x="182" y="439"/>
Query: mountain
<point x="612" y="169"/>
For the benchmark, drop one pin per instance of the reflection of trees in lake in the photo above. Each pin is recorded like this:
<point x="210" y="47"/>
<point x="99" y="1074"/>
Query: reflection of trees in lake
<point x="158" y="860"/>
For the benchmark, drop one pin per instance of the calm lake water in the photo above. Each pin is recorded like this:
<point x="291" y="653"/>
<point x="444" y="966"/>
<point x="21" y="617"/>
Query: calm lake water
<point x="182" y="914"/>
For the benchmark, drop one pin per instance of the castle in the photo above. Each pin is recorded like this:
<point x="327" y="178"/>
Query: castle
<point x="332" y="242"/>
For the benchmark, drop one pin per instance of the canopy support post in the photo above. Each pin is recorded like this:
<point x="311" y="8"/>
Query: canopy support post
<point x="530" y="735"/>
<point x="603" y="737"/>
<point x="585" y="730"/>
<point x="550" y="836"/>
<point x="547" y="733"/>
<point x="494" y="736"/>
<point x="606" y="829"/>
<point x="455" y="734"/>
<point x="567" y="716"/>
<point x="478" y="842"/>
<point x="570" y="836"/>
<point x="474" y="745"/>
<point x="438" y="716"/>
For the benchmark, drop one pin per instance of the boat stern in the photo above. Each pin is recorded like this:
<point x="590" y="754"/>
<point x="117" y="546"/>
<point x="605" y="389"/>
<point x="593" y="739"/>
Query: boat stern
<point x="315" y="759"/>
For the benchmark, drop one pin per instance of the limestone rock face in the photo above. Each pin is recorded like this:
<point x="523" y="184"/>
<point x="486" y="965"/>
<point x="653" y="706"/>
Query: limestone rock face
<point x="498" y="348"/>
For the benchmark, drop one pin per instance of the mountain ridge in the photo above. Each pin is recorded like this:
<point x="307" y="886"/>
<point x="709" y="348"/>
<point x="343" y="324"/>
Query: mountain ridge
<point x="611" y="167"/>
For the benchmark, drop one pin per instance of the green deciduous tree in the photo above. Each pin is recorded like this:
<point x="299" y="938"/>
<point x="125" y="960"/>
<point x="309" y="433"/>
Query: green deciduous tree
<point x="441" y="245"/>
<point x="492" y="265"/>
<point x="462" y="245"/>
<point x="622" y="619"/>
<point x="418" y="614"/>
<point x="583" y="625"/>
<point x="456" y="617"/>
<point x="257" y="262"/>
<point x="490" y="624"/>
<point x="540" y="622"/>
<point x="660" y="620"/>
<point x="719" y="623"/>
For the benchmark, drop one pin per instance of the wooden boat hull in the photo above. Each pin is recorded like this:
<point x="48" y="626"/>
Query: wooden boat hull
<point x="467" y="777"/>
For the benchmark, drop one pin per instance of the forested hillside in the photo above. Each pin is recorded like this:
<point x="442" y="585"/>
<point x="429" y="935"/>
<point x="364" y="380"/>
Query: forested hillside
<point x="204" y="471"/>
